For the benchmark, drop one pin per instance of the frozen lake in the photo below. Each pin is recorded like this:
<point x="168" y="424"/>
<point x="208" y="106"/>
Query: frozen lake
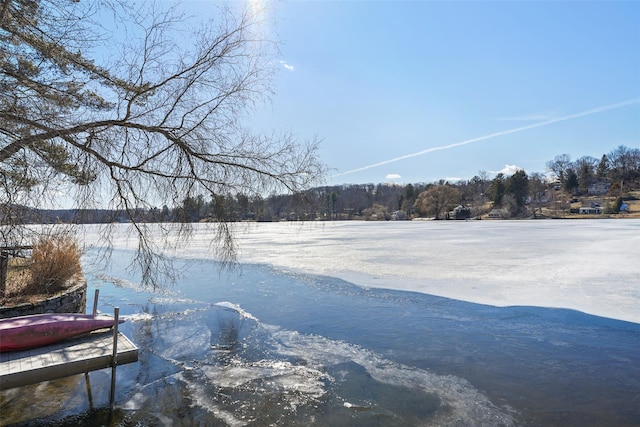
<point x="392" y="324"/>
<point x="591" y="266"/>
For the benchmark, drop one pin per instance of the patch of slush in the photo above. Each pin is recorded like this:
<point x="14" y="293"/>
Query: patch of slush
<point x="139" y="317"/>
<point x="467" y="405"/>
<point x="235" y="307"/>
<point x="243" y="387"/>
<point x="278" y="376"/>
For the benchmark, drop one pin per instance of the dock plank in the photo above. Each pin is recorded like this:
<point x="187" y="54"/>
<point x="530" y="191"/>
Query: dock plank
<point x="84" y="354"/>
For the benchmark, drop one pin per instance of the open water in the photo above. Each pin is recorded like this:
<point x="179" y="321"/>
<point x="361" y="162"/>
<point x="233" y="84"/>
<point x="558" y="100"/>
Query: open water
<point x="263" y="345"/>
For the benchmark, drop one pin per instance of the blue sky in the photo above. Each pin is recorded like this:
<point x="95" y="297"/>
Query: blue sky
<point x="378" y="81"/>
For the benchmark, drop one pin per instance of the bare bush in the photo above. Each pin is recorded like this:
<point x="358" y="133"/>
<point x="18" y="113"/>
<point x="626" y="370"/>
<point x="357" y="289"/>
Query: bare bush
<point x="55" y="261"/>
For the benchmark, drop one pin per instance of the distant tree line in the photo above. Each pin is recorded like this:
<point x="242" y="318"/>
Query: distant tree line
<point x="621" y="166"/>
<point x="517" y="195"/>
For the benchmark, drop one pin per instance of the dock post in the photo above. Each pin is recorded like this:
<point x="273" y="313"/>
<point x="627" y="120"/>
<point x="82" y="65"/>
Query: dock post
<point x="88" y="384"/>
<point x="95" y="302"/>
<point x="4" y="267"/>
<point x="114" y="357"/>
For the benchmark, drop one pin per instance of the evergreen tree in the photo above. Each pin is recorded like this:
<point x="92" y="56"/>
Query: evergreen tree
<point x="497" y="189"/>
<point x="518" y="186"/>
<point x="571" y="183"/>
<point x="603" y="167"/>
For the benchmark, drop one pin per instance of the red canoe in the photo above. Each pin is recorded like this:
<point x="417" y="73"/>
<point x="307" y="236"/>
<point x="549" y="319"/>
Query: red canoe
<point x="20" y="333"/>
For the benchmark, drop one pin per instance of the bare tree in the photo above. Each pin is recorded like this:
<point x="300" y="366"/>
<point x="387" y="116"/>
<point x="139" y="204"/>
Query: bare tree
<point x="559" y="166"/>
<point x="538" y="192"/>
<point x="585" y="168"/>
<point x="624" y="165"/>
<point x="145" y="116"/>
<point x="436" y="199"/>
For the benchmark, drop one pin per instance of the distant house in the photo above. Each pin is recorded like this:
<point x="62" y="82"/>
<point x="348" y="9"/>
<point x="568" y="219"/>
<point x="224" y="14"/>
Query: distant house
<point x="399" y="215"/>
<point x="591" y="210"/>
<point x="459" y="212"/>
<point x="497" y="213"/>
<point x="598" y="187"/>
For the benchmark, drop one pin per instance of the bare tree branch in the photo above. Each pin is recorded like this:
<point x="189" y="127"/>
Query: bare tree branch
<point x="160" y="123"/>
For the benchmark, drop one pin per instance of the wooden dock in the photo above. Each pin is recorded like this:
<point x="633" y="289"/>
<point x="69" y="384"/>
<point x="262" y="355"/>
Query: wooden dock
<point x="76" y="356"/>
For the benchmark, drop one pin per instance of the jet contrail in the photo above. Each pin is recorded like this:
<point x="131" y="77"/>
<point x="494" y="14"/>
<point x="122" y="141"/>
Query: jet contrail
<point x="496" y="134"/>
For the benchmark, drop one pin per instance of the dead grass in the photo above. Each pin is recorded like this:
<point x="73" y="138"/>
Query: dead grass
<point x="54" y="262"/>
<point x="18" y="275"/>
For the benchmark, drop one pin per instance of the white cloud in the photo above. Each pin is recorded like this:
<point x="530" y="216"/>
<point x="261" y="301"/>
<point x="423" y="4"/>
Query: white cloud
<point x="452" y="179"/>
<point x="287" y="66"/>
<point x="393" y="176"/>
<point x="508" y="170"/>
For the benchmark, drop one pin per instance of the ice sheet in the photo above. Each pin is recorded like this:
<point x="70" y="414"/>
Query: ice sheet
<point x="586" y="265"/>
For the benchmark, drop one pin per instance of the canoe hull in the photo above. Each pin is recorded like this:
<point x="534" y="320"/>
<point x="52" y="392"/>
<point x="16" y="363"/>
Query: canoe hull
<point x="24" y="332"/>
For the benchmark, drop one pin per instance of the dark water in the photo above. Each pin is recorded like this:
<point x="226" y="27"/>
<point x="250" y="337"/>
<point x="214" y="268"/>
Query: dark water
<point x="263" y="347"/>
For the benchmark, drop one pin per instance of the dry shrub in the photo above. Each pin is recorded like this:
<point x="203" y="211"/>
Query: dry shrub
<point x="54" y="261"/>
